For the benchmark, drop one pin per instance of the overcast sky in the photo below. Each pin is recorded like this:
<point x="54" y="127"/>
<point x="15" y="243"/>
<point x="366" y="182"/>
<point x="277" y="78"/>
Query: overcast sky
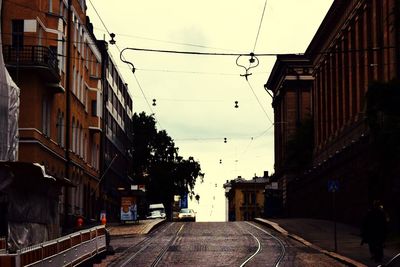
<point x="195" y="95"/>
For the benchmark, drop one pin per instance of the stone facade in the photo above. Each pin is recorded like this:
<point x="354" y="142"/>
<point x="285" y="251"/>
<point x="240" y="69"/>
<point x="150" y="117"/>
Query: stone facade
<point x="355" y="46"/>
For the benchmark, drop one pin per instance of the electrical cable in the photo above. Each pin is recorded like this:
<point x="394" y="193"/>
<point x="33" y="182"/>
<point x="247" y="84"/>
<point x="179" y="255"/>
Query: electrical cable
<point x="259" y="102"/>
<point x="326" y="52"/>
<point x="170" y="42"/>
<point x="148" y="104"/>
<point x="259" y="26"/>
<point x="129" y="63"/>
<point x="98" y="15"/>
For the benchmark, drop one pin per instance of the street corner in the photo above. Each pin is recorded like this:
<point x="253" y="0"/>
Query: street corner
<point x="272" y="225"/>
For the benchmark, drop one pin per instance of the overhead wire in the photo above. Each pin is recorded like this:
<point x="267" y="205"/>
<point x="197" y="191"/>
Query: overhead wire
<point x="170" y="42"/>
<point x="259" y="102"/>
<point x="98" y="15"/>
<point x="259" y="26"/>
<point x="124" y="60"/>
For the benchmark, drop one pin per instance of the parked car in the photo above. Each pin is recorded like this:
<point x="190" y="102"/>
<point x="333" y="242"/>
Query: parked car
<point x="187" y="215"/>
<point x="155" y="214"/>
<point x="156" y="211"/>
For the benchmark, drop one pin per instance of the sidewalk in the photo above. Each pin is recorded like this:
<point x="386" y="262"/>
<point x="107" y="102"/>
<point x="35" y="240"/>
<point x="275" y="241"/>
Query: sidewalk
<point x="141" y="228"/>
<point x="319" y="234"/>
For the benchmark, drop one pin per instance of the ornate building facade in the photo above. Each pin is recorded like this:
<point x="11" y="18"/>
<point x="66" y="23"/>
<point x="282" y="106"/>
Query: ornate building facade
<point x="356" y="46"/>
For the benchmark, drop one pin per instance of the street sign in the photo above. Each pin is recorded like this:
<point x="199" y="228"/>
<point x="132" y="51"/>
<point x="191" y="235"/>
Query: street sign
<point x="333" y="186"/>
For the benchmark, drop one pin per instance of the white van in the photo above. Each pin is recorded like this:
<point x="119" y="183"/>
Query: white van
<point x="156" y="211"/>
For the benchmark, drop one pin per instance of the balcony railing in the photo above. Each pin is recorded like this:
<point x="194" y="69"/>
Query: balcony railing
<point x="32" y="57"/>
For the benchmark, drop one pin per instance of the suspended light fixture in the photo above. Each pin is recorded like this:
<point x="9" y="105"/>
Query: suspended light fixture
<point x="112" y="41"/>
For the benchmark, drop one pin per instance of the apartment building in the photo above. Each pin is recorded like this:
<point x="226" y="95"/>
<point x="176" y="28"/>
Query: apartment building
<point x="116" y="157"/>
<point x="54" y="60"/>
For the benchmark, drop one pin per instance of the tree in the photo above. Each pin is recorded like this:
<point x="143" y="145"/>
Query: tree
<point x="143" y="133"/>
<point x="158" y="165"/>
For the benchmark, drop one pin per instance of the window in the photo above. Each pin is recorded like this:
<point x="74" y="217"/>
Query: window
<point x="85" y="97"/>
<point x="40" y="36"/>
<point x="61" y="58"/>
<point x="85" y="148"/>
<point x="78" y="87"/>
<point x="73" y="134"/>
<point x="81" y="89"/>
<point x="62" y="131"/>
<point x="50" y="6"/>
<point x="73" y="79"/>
<point x="94" y="108"/>
<point x="52" y="60"/>
<point x="81" y="144"/>
<point x="59" y="127"/>
<point x="77" y="133"/>
<point x="18" y="33"/>
<point x="249" y="198"/>
<point x="61" y="8"/>
<point x="87" y="55"/>
<point x="46" y="111"/>
<point x="96" y="69"/>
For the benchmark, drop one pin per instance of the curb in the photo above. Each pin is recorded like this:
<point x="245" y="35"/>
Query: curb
<point x="145" y="229"/>
<point x="336" y="256"/>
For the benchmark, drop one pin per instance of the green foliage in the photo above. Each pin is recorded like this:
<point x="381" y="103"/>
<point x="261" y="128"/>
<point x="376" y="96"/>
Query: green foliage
<point x="157" y="163"/>
<point x="300" y="147"/>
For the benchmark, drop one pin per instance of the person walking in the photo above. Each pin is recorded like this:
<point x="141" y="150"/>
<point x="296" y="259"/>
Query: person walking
<point x="374" y="230"/>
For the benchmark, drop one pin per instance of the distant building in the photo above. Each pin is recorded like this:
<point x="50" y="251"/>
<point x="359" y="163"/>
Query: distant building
<point x="245" y="198"/>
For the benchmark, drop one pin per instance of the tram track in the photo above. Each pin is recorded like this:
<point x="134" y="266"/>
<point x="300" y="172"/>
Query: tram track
<point x="214" y="244"/>
<point x="165" y="250"/>
<point x="136" y="249"/>
<point x="259" y="249"/>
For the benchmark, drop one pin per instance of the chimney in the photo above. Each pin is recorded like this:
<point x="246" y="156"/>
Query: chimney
<point x="265" y="174"/>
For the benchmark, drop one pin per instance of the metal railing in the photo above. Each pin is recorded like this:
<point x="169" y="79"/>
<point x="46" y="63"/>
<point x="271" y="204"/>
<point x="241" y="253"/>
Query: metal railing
<point x="67" y="250"/>
<point x="31" y="56"/>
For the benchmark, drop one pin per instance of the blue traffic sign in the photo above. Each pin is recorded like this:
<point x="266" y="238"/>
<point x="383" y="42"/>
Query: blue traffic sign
<point x="333" y="185"/>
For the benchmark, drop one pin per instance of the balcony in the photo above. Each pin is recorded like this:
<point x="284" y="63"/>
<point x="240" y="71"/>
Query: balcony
<point x="40" y="59"/>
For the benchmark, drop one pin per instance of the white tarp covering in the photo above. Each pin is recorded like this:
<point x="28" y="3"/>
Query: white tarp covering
<point x="9" y="110"/>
